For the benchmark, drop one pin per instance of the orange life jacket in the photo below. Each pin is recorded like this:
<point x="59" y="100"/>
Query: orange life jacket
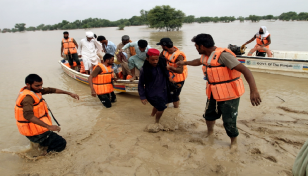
<point x="40" y="111"/>
<point x="102" y="82"/>
<point x="132" y="50"/>
<point x="262" y="42"/>
<point x="69" y="46"/>
<point x="223" y="83"/>
<point x="171" y="60"/>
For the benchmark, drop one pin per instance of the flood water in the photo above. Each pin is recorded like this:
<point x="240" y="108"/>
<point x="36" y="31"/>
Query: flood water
<point x="84" y="122"/>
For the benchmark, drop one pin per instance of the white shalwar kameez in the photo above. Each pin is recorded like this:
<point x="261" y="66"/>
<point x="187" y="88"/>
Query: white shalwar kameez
<point x="88" y="51"/>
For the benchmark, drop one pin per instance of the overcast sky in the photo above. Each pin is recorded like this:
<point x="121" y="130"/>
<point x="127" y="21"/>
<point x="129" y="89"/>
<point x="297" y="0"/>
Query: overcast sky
<point x="35" y="12"/>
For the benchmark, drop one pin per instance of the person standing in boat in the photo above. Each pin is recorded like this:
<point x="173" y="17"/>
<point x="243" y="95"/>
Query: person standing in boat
<point x="100" y="81"/>
<point x="177" y="73"/>
<point x="224" y="84"/>
<point x="32" y="117"/>
<point x="110" y="48"/>
<point x="263" y="41"/>
<point x="153" y="86"/>
<point x="129" y="52"/>
<point x="88" y="51"/>
<point x="68" y="46"/>
<point x="136" y="61"/>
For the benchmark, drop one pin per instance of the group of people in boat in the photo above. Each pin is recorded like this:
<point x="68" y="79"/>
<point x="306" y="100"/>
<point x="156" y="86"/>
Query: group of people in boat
<point x="161" y="78"/>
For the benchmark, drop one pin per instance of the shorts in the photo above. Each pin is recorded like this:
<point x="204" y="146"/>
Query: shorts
<point x="52" y="140"/>
<point x="176" y="93"/>
<point x="73" y="57"/>
<point x="135" y="61"/>
<point x="106" y="100"/>
<point x="228" y="110"/>
<point x="158" y="103"/>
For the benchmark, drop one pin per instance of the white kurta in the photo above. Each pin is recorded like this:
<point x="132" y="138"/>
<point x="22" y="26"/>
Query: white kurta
<point x="88" y="51"/>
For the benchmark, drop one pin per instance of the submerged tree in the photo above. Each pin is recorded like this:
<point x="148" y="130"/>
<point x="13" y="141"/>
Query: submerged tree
<point x="189" y="19"/>
<point x="20" y="26"/>
<point x="165" y="18"/>
<point x="254" y="18"/>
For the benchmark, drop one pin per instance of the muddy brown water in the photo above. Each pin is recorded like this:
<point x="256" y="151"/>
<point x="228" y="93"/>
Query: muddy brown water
<point x="112" y="141"/>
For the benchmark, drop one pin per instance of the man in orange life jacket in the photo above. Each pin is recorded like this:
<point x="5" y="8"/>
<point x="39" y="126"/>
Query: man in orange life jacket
<point x="100" y="81"/>
<point x="31" y="113"/>
<point x="224" y="85"/>
<point x="263" y="41"/>
<point x="69" y="46"/>
<point x="177" y="73"/>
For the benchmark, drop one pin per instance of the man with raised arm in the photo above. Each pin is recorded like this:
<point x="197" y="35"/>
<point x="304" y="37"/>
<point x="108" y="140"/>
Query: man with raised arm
<point x="224" y="84"/>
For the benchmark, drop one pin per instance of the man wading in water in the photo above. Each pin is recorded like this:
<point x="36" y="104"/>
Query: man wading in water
<point x="224" y="86"/>
<point x="31" y="113"/>
<point x="153" y="85"/>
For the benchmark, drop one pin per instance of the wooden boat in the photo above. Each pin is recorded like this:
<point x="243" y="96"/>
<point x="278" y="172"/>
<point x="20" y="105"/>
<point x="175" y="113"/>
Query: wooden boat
<point x="289" y="63"/>
<point x="119" y="85"/>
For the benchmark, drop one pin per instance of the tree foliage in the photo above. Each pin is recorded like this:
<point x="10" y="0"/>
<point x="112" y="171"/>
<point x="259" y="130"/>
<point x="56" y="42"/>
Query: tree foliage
<point x="165" y="18"/>
<point x="288" y="16"/>
<point x="189" y="19"/>
<point x="20" y="26"/>
<point x="160" y="17"/>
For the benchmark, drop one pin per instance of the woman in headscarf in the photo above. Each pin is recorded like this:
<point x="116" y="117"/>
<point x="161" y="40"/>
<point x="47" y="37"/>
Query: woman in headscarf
<point x="263" y="42"/>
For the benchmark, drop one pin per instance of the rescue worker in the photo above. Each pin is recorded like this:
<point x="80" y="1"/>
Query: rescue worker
<point x="31" y="114"/>
<point x="100" y="81"/>
<point x="69" y="45"/>
<point x="224" y="86"/>
<point x="177" y="73"/>
<point x="263" y="42"/>
<point x="153" y="86"/>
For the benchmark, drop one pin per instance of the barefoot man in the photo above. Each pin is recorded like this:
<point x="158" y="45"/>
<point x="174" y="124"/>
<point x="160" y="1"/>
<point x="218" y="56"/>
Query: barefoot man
<point x="224" y="84"/>
<point x="153" y="84"/>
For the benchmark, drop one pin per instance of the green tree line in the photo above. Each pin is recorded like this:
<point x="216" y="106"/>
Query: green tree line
<point x="160" y="17"/>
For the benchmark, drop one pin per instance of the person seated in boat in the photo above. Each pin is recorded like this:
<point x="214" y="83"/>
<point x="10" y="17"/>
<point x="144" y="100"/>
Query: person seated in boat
<point x="69" y="46"/>
<point x="153" y="86"/>
<point x="100" y="81"/>
<point x="32" y="117"/>
<point x="124" y="61"/>
<point x="88" y="52"/>
<point x="136" y="61"/>
<point x="263" y="41"/>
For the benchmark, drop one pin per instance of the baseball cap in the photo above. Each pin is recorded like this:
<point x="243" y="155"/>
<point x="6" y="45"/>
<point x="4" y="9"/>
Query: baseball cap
<point x="165" y="41"/>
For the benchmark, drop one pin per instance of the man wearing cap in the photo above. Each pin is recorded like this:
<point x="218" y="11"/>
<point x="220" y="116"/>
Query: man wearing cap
<point x="136" y="61"/>
<point x="69" y="45"/>
<point x="224" y="84"/>
<point x="153" y="84"/>
<point x="177" y="73"/>
<point x="88" y="51"/>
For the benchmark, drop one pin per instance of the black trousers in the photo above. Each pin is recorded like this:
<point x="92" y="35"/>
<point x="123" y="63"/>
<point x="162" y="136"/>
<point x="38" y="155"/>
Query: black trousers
<point x="51" y="139"/>
<point x="106" y="99"/>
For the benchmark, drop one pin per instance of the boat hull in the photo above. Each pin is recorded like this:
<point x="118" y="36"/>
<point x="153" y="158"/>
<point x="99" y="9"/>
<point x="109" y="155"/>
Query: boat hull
<point x="119" y="86"/>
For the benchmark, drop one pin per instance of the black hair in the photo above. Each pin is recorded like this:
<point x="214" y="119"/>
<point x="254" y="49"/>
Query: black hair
<point x="107" y="56"/>
<point x="65" y="32"/>
<point x="101" y="38"/>
<point x="142" y="43"/>
<point x="95" y="36"/>
<point x="204" y="39"/>
<point x="30" y="79"/>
